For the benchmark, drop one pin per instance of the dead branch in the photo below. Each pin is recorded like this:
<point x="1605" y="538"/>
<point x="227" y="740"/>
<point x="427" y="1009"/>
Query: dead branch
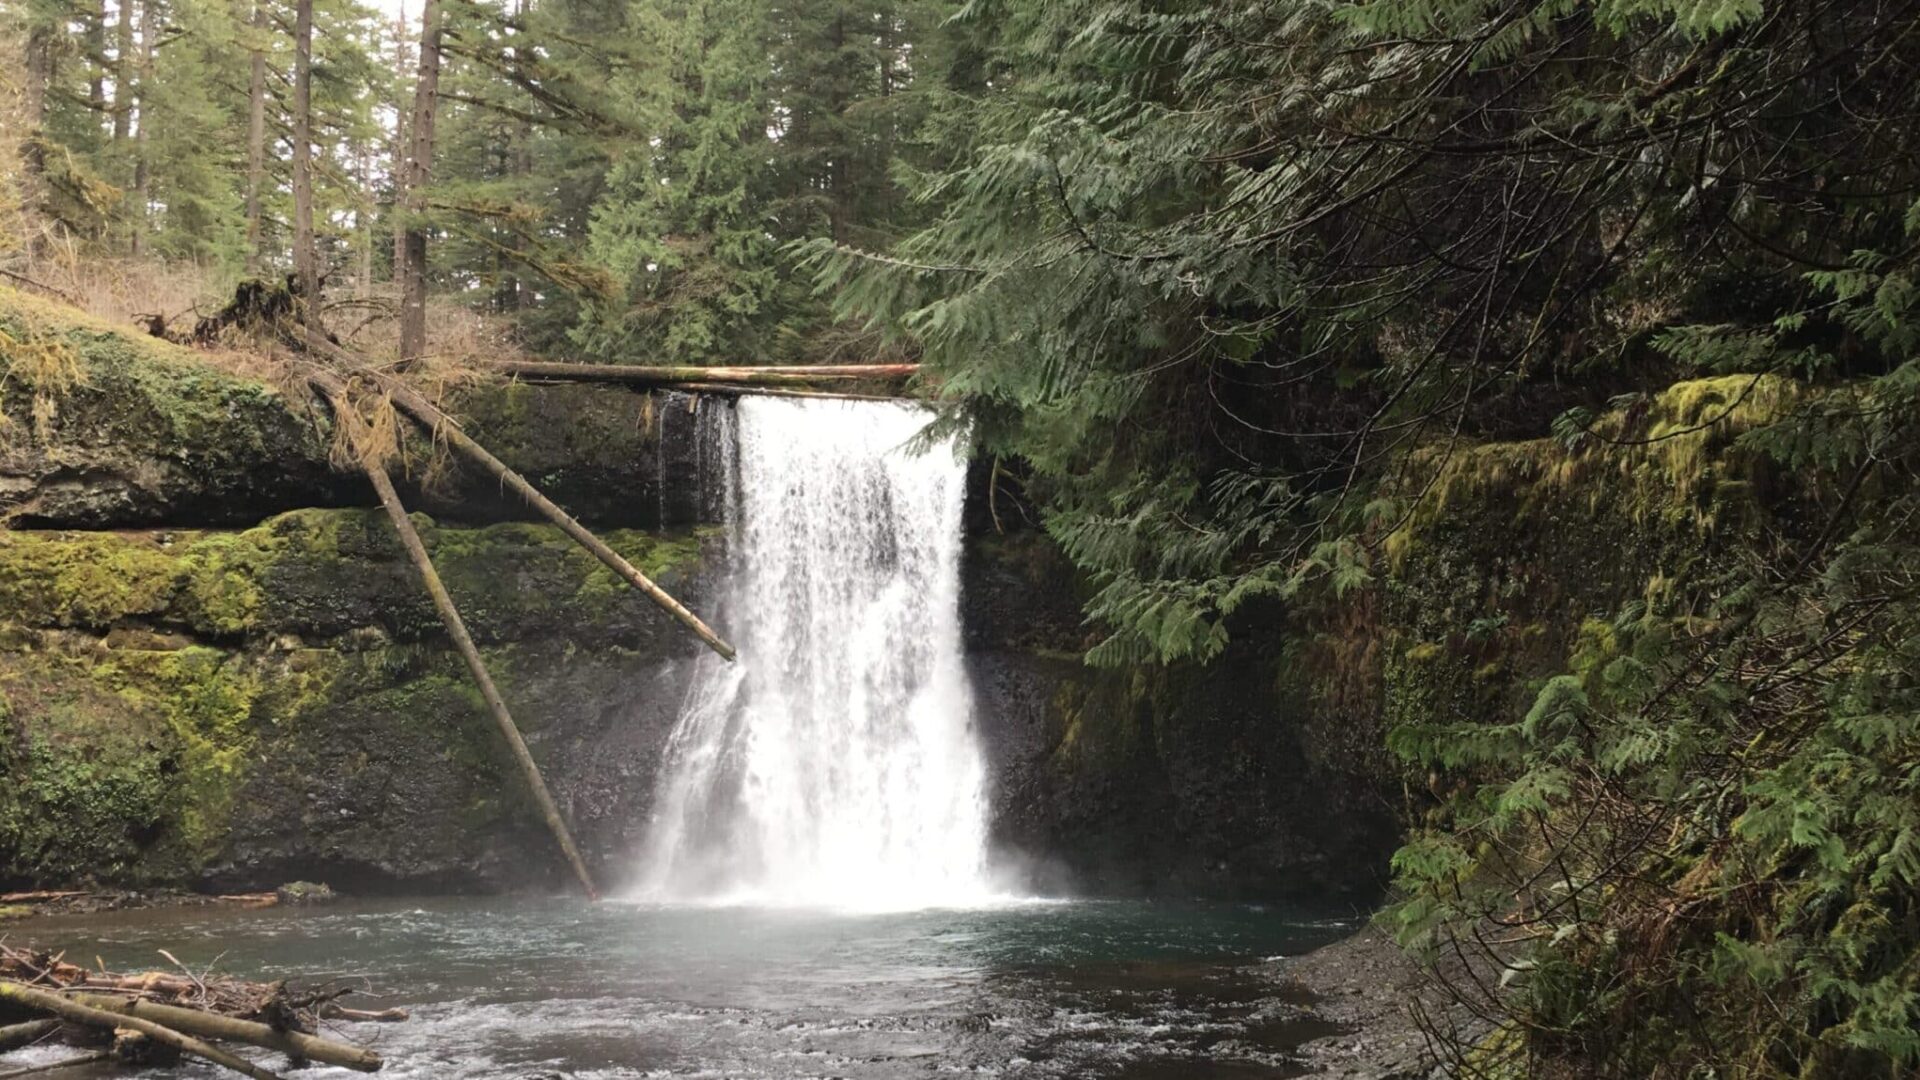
<point x="75" y="1012"/>
<point x="335" y="391"/>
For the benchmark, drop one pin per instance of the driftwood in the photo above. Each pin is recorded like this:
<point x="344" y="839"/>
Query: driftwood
<point x="209" y="1025"/>
<point x="642" y="375"/>
<point x="331" y="1011"/>
<point x="77" y="1013"/>
<point x="336" y="393"/>
<point x="15" y="1036"/>
<point x="202" y="1007"/>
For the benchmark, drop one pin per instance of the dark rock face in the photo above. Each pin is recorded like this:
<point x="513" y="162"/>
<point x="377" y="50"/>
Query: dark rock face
<point x="1211" y="781"/>
<point x="155" y="436"/>
<point x="239" y="709"/>
<point x="219" y="701"/>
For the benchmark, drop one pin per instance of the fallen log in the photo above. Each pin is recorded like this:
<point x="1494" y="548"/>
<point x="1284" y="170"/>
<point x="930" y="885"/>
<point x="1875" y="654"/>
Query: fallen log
<point x="75" y="1012"/>
<point x="336" y="394"/>
<point x="209" y="1025"/>
<point x="53" y="1066"/>
<point x="423" y="410"/>
<point x="642" y="375"/>
<point x="735" y="390"/>
<point x="38" y="896"/>
<point x="15" y="1036"/>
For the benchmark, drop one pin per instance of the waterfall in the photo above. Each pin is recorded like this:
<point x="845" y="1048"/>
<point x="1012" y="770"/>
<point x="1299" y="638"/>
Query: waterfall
<point x="835" y="763"/>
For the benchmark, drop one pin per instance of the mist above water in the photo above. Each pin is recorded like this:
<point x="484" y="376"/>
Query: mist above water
<point x="835" y="764"/>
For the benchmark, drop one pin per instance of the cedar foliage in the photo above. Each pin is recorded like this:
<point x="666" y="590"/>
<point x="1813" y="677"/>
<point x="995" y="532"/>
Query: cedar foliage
<point x="1242" y="286"/>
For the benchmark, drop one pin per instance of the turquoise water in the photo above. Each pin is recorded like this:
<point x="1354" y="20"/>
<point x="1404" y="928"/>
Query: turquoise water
<point x="534" y="987"/>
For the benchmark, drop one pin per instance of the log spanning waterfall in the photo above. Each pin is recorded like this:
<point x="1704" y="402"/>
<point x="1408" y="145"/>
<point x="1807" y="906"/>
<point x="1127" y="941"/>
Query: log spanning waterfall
<point x="835" y="764"/>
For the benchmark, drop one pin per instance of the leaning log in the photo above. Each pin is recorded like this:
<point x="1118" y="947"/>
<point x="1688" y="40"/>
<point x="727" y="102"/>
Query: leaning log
<point x="209" y="1025"/>
<point x="642" y="375"/>
<point x="74" y="1011"/>
<point x="336" y="395"/>
<point x="417" y="405"/>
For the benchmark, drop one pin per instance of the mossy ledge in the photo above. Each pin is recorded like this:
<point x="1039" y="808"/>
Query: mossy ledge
<point x="102" y="427"/>
<point x="222" y="708"/>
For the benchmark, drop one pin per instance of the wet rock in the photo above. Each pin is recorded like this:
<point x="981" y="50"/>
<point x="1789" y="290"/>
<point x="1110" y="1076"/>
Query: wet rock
<point x="304" y="894"/>
<point x="1183" y="780"/>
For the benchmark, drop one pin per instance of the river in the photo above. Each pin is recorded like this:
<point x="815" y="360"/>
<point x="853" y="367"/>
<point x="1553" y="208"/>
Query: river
<point x="555" y="987"/>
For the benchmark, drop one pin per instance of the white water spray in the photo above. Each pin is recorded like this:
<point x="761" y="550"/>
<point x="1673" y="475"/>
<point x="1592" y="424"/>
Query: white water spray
<point x="835" y="763"/>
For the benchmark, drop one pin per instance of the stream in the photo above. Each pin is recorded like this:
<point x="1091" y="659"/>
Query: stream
<point x="554" y="987"/>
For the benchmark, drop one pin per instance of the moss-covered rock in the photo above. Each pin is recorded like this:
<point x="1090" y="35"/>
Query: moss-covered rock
<point x="239" y="708"/>
<point x="103" y="427"/>
<point x="1268" y="769"/>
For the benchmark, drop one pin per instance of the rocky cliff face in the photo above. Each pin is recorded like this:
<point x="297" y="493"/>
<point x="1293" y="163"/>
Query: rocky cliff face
<point x="138" y="432"/>
<point x="216" y="671"/>
<point x="1236" y="779"/>
<point x="233" y="709"/>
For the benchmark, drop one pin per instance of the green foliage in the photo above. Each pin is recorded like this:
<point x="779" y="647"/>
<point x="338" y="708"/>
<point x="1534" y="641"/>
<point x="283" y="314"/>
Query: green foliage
<point x="1259" y="296"/>
<point x="1713" y="813"/>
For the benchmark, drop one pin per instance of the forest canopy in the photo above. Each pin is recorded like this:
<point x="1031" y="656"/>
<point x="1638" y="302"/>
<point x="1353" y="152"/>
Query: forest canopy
<point x="1234" y="297"/>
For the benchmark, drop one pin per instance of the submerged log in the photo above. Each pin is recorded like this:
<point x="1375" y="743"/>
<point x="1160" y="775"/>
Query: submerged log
<point x="641" y="375"/>
<point x="15" y="1036"/>
<point x="209" y="1025"/>
<point x="75" y="1012"/>
<point x="364" y="1016"/>
<point x="56" y="1066"/>
<point x="336" y="394"/>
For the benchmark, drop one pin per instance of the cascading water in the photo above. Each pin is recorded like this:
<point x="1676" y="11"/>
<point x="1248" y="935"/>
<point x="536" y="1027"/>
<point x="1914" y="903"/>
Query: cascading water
<point x="835" y="763"/>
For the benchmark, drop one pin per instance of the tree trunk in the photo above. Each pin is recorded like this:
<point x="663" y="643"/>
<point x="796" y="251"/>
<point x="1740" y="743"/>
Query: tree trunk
<point x="97" y="47"/>
<point x="305" y="258"/>
<point x="39" y="48"/>
<point x="363" y="215"/>
<point x="426" y="102"/>
<point x="397" y="158"/>
<point x="123" y="71"/>
<point x="256" y="133"/>
<point x="41" y="1001"/>
<point x="643" y="375"/>
<point x="143" y="92"/>
<point x="15" y="1036"/>
<point x="336" y="394"/>
<point x="208" y="1025"/>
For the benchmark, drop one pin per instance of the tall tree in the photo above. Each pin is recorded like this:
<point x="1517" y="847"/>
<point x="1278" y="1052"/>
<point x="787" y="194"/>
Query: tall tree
<point x="419" y="169"/>
<point x="305" y="257"/>
<point x="256" y="130"/>
<point x="144" y="100"/>
<point x="123" y="70"/>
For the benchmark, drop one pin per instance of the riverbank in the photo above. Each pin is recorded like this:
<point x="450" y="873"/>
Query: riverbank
<point x="1368" y="988"/>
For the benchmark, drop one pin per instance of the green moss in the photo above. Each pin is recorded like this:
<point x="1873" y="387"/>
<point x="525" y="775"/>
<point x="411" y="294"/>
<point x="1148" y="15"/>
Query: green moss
<point x="83" y="579"/>
<point x="1424" y="652"/>
<point x="14" y="911"/>
<point x="1670" y="465"/>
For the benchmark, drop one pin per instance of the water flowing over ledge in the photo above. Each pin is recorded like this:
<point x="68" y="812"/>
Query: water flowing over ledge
<point x="836" y="764"/>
